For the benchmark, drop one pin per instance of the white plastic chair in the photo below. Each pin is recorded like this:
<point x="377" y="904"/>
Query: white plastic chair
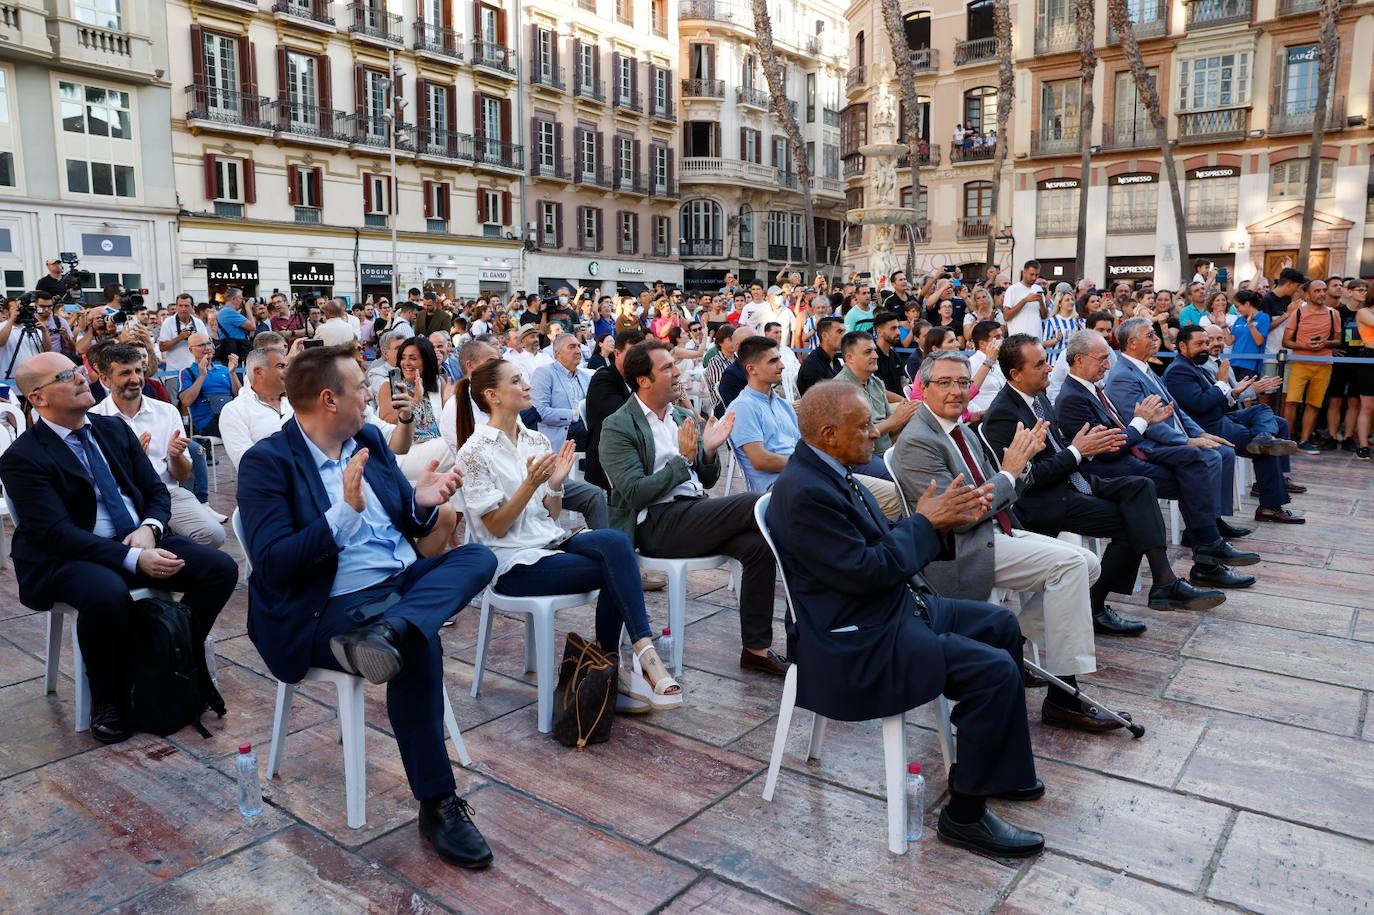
<point x="894" y="726"/>
<point x="676" y="571"/>
<point x="352" y="721"/>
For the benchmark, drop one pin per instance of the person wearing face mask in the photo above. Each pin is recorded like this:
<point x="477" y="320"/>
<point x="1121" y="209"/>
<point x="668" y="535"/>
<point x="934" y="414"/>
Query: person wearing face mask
<point x="561" y="310"/>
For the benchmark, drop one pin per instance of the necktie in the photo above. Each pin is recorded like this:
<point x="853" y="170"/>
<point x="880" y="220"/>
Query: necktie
<point x="105" y="486"/>
<point x="1136" y="451"/>
<point x="957" y="433"/>
<point x="1164" y="395"/>
<point x="922" y="610"/>
<point x="1076" y="478"/>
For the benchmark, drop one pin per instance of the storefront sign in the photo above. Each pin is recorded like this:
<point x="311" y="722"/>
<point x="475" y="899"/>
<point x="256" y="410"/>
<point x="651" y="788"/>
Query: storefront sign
<point x="106" y="245"/>
<point x="1131" y="268"/>
<point x="223" y="270"/>
<point x="1137" y="178"/>
<point x="1059" y="184"/>
<point x="705" y="280"/>
<point x="309" y="273"/>
<point x="1214" y="171"/>
<point x="1302" y="55"/>
<point x="486" y="275"/>
<point x="632" y="271"/>
<point x="375" y="274"/>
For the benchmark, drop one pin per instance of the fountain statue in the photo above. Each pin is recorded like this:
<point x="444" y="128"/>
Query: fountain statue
<point x="884" y="212"/>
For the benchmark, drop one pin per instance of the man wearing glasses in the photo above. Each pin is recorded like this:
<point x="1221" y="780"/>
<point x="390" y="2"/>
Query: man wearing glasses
<point x="92" y="519"/>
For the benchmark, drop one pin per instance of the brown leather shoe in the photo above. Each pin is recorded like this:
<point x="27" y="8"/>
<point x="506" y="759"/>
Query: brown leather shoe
<point x="1092" y="719"/>
<point x="653" y="581"/>
<point x="772" y="663"/>
<point x="1278" y="515"/>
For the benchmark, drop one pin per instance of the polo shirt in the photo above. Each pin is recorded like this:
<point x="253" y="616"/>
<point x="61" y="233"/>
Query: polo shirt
<point x="1245" y="343"/>
<point x="231" y="323"/>
<point x="878" y="407"/>
<point x="767" y="419"/>
<point x="217" y="382"/>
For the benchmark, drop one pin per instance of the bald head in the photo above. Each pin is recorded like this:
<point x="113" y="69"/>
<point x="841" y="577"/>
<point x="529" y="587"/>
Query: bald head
<point x="824" y="405"/>
<point x="38" y="369"/>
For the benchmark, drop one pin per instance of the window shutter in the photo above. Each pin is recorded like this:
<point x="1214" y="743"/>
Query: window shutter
<point x="444" y="195"/>
<point x="505" y="120"/>
<point x="596" y="63"/>
<point x="635" y="168"/>
<point x="316" y="179"/>
<point x="557" y="146"/>
<point x="505" y="208"/>
<point x="359" y="91"/>
<point x="600" y="150"/>
<point x="672" y="175"/>
<point x="246" y="74"/>
<point x="197" y="55"/>
<point x="710" y="61"/>
<point x="211" y="176"/>
<point x="481" y="205"/>
<point x="553" y="48"/>
<point x="367" y="193"/>
<point x="281" y="72"/>
<point x="743" y="145"/>
<point x="250" y="183"/>
<point x="534" y="52"/>
<point x="615" y="75"/>
<point x="421" y="105"/>
<point x="577" y="152"/>
<point x="451" y="107"/>
<point x="398" y="93"/>
<point x="577" y="65"/>
<point x="252" y="69"/>
<point x="634" y="81"/>
<point x="429" y="207"/>
<point x="478" y="121"/>
<point x="634" y="233"/>
<point x="293" y="196"/>
<point x="447" y="13"/>
<point x="326" y="91"/>
<point x="534" y="145"/>
<point x="558" y="225"/>
<point x="500" y="26"/>
<point x="596" y="228"/>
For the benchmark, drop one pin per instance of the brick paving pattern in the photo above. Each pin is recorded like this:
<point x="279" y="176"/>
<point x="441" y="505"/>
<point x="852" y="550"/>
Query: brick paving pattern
<point x="1252" y="791"/>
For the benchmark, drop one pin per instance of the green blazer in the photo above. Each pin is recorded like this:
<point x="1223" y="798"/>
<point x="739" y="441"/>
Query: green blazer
<point x="627" y="455"/>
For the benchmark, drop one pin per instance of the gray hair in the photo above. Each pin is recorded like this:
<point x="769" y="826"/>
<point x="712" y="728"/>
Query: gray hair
<point x="393" y="337"/>
<point x="257" y="358"/>
<point x="944" y="355"/>
<point x="1130" y="328"/>
<point x="1081" y="344"/>
<point x="269" y="339"/>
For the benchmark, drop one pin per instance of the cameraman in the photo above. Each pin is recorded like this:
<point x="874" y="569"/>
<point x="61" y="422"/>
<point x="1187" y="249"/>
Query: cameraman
<point x="19" y="343"/>
<point x="176" y="330"/>
<point x="52" y="282"/>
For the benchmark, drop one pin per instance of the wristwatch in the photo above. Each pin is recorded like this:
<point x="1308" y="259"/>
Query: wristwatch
<point x="157" y="530"/>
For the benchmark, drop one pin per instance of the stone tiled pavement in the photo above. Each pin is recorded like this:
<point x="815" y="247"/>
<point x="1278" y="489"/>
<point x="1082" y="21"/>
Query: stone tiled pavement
<point x="1252" y="791"/>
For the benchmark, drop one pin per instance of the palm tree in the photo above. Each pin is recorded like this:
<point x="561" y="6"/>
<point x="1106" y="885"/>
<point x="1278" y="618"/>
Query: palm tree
<point x="777" y="88"/>
<point x="1120" y="18"/>
<point x="906" y="81"/>
<point x="1085" y="12"/>
<point x="1327" y="48"/>
<point x="1006" y="95"/>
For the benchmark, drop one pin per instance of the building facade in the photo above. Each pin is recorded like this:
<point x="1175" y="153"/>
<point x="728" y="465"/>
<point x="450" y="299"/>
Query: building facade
<point x="1237" y="83"/>
<point x="600" y="113"/>
<point x="281" y="117"/>
<point x="85" y="147"/>
<point x="741" y="205"/>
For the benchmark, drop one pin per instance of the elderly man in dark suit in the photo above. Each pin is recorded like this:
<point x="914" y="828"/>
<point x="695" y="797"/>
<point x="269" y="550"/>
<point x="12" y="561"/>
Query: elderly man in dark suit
<point x="92" y="523"/>
<point x="871" y="636"/>
<point x="1060" y="497"/>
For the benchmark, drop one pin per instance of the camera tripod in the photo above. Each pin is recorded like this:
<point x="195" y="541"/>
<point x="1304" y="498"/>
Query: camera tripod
<point x="26" y="332"/>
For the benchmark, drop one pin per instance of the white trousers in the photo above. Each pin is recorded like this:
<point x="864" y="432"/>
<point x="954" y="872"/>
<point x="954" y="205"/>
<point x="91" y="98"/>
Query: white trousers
<point x="1056" y="614"/>
<point x="416" y="461"/>
<point x="192" y="519"/>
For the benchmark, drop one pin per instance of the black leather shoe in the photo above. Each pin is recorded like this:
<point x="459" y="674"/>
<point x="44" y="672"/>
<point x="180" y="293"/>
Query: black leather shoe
<point x="1219" y="577"/>
<point x="372" y="651"/>
<point x="1087" y="718"/>
<point x="1278" y="515"/>
<point x="1033" y="680"/>
<point x="447" y="823"/>
<point x="1183" y="596"/>
<point x="1034" y="793"/>
<point x="772" y="663"/>
<point x="1295" y="488"/>
<point x="107" y="724"/>
<point x="1233" y="531"/>
<point x="1108" y="622"/>
<point x="1222" y="553"/>
<point x="1271" y="444"/>
<point x="991" y="835"/>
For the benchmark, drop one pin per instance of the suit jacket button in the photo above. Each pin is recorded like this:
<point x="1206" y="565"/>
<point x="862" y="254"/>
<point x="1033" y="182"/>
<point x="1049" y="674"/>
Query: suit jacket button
<point x="989" y="543"/>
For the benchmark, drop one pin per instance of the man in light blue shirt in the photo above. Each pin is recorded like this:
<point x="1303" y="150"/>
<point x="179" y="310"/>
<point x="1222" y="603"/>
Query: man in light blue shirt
<point x="236" y="325"/>
<point x="557" y="389"/>
<point x="765" y="432"/>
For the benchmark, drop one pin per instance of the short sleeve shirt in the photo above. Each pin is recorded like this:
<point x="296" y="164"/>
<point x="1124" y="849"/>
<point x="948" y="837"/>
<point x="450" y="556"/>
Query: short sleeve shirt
<point x="767" y="419"/>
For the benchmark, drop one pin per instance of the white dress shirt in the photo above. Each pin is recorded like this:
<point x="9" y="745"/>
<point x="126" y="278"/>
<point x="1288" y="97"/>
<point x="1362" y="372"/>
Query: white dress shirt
<point x="971" y="440"/>
<point x="1030" y="404"/>
<point x="248" y="419"/>
<point x="156" y="418"/>
<point x="336" y="332"/>
<point x="665" y="449"/>
<point x="1137" y="423"/>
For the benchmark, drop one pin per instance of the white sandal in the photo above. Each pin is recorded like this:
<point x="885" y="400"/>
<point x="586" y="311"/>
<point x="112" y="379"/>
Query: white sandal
<point x="656" y="695"/>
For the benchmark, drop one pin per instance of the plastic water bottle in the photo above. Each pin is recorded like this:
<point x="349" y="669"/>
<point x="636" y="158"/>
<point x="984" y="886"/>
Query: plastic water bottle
<point x="210" y="665"/>
<point x="665" y="647"/>
<point x="915" y="802"/>
<point x="250" y="794"/>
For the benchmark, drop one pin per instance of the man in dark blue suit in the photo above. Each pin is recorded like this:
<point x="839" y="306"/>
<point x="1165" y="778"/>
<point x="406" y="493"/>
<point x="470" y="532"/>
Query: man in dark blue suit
<point x="1179" y="472"/>
<point x="872" y="640"/>
<point x="1255" y="431"/>
<point x="330" y="523"/>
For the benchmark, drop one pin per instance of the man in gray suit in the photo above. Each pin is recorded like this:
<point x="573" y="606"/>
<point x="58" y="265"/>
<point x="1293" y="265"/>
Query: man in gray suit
<point x="995" y="551"/>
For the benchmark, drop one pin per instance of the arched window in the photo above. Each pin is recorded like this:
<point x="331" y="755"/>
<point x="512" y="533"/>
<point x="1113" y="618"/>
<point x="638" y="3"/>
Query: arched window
<point x="979" y="21"/>
<point x="980" y="108"/>
<point x="917" y="28"/>
<point x="701" y="228"/>
<point x="859" y="50"/>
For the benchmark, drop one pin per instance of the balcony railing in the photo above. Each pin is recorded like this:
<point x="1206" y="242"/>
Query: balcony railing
<point x="690" y="247"/>
<point x="435" y="39"/>
<point x="1213" y="126"/>
<point x="375" y="22"/>
<point x="1131" y="135"/>
<point x="1293" y="7"/>
<point x="493" y="56"/>
<point x="498" y="153"/>
<point x="830" y="117"/>
<point x="716" y="169"/>
<point x="628" y="101"/>
<point x="442" y="144"/>
<point x="303" y="120"/>
<point x="714" y="10"/>
<point x="975" y="51"/>
<point x="313" y="11"/>
<point x="1056" y="37"/>
<point x="1206" y="14"/>
<point x="1057" y="225"/>
<point x="852" y="166"/>
<point x="368" y="130"/>
<point x="703" y="88"/>
<point x="663" y="109"/>
<point x="1153" y="22"/>
<point x="1127" y="222"/>
<point x="924" y="60"/>
<point x="591" y="89"/>
<point x="972" y="153"/>
<point x="308" y="215"/>
<point x="591" y="176"/>
<point x="665" y="188"/>
<point x="1289" y="117"/>
<point x="1213" y="219"/>
<point x="554" y="167"/>
<point x="788" y="179"/>
<point x="632" y="183"/>
<point x="746" y="248"/>
<point x="1057" y="143"/>
<point x="930" y="156"/>
<point x="222" y="106"/>
<point x="975" y="226"/>
<point x="550" y="77"/>
<point x="748" y="95"/>
<point x="777" y="252"/>
<point x="854" y="78"/>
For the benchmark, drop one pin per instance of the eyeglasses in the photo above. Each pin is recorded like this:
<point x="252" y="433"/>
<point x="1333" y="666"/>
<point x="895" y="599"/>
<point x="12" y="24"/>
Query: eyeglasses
<point x="945" y="384"/>
<point x="59" y="378"/>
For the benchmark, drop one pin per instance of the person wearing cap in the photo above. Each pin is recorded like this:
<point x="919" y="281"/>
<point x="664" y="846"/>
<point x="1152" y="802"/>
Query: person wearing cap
<point x="528" y="355"/>
<point x="407" y="313"/>
<point x="431" y="317"/>
<point x="52" y="282"/>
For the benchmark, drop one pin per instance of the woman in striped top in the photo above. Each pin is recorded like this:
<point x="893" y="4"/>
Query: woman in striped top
<point x="1062" y="324"/>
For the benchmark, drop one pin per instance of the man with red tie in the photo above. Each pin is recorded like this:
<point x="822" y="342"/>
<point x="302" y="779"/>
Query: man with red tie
<point x="995" y="551"/>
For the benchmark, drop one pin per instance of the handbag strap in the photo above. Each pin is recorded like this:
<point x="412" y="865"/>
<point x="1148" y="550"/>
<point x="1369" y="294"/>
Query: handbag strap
<point x="590" y="658"/>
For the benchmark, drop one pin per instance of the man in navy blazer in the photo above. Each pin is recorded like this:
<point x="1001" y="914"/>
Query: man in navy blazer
<point x="329" y="524"/>
<point x="1179" y="472"/>
<point x="872" y="640"/>
<point x="1254" y="431"/>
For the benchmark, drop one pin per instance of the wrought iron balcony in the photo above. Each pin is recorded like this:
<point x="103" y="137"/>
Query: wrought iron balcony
<point x="755" y="98"/>
<point x="1056" y="37"/>
<point x="630" y="183"/>
<point x="433" y="39"/>
<point x="972" y="153"/>
<point x="375" y="22"/>
<point x="925" y="60"/>
<point x="227" y="107"/>
<point x="1128" y="222"/>
<point x="1055" y="143"/>
<point x="553" y="167"/>
<point x="975" y="51"/>
<point x="494" y="57"/>
<point x="443" y="144"/>
<point x="1131" y="135"/>
<point x="1153" y="22"/>
<point x="317" y="11"/>
<point x="975" y="226"/>
<point x="854" y="78"/>
<point x="497" y="153"/>
<point x="703" y="88"/>
<point x="1206" y="14"/>
<point x="305" y="120"/>
<point x="1297" y="115"/>
<point x="692" y="247"/>
<point x="591" y="89"/>
<point x="662" y="109"/>
<point x="591" y="176"/>
<point x="1221" y="124"/>
<point x="549" y="77"/>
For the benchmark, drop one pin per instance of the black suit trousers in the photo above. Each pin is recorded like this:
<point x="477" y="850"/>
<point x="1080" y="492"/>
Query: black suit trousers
<point x="1126" y="510"/>
<point x="101" y="598"/>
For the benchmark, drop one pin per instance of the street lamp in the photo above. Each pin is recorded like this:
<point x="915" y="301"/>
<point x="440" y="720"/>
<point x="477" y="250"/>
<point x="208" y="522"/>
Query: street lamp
<point x="389" y="116"/>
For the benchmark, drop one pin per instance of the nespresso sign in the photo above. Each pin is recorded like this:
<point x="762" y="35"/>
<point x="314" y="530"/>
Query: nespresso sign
<point x="308" y="273"/>
<point x="1138" y="178"/>
<point x="1131" y="268"/>
<point x="1059" y="184"/>
<point x="1215" y="171"/>
<point x="224" y="270"/>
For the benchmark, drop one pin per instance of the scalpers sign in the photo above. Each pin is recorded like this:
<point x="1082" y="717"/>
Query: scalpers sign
<point x="307" y="273"/>
<point x="223" y="270"/>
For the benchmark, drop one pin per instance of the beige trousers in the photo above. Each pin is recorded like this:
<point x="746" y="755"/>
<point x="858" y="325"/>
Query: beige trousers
<point x="192" y="519"/>
<point x="1053" y="577"/>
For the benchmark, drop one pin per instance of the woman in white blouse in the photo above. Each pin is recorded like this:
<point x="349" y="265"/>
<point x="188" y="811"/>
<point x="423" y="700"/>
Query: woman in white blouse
<point x="513" y="491"/>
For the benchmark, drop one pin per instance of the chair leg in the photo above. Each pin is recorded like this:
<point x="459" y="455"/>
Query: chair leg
<point x="53" y="651"/>
<point x="789" y="702"/>
<point x="1174" y="522"/>
<point x="736" y="573"/>
<point x="82" y="683"/>
<point x="894" y="761"/>
<point x="483" y="639"/>
<point x="281" y="720"/>
<point x="818" y="725"/>
<point x="451" y="722"/>
<point x="531" y="659"/>
<point x="355" y="751"/>
<point x="544" y="669"/>
<point x="677" y="612"/>
<point x="946" y="733"/>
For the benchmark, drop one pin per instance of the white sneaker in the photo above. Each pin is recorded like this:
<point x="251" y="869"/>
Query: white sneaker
<point x="216" y="515"/>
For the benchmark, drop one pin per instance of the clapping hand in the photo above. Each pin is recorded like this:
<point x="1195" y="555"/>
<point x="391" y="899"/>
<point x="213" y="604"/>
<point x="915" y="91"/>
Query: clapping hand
<point x="144" y="440"/>
<point x="717" y="431"/>
<point x="687" y="439"/>
<point x="353" y="480"/>
<point x="435" y="488"/>
<point x="1024" y="445"/>
<point x="563" y="464"/>
<point x="176" y="445"/>
<point x="539" y="470"/>
<point x="1152" y="409"/>
<point x="232" y="362"/>
<point x="1092" y="440"/>
<point x="956" y="506"/>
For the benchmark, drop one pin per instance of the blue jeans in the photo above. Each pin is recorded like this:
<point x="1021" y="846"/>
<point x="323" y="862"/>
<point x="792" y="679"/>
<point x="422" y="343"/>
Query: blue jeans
<point x="200" y="473"/>
<point x="590" y="560"/>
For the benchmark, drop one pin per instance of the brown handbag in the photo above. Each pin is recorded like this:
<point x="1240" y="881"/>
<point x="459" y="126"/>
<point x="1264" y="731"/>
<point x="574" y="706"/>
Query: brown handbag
<point x="584" y="703"/>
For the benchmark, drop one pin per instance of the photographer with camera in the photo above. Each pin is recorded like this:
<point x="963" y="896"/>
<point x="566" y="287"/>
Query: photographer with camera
<point x="21" y="336"/>
<point x="236" y="326"/>
<point x="52" y="282"/>
<point x="60" y="336"/>
<point x="176" y="330"/>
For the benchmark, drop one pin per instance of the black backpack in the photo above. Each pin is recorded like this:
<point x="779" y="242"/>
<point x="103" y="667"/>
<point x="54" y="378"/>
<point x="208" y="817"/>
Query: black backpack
<point x="166" y="669"/>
